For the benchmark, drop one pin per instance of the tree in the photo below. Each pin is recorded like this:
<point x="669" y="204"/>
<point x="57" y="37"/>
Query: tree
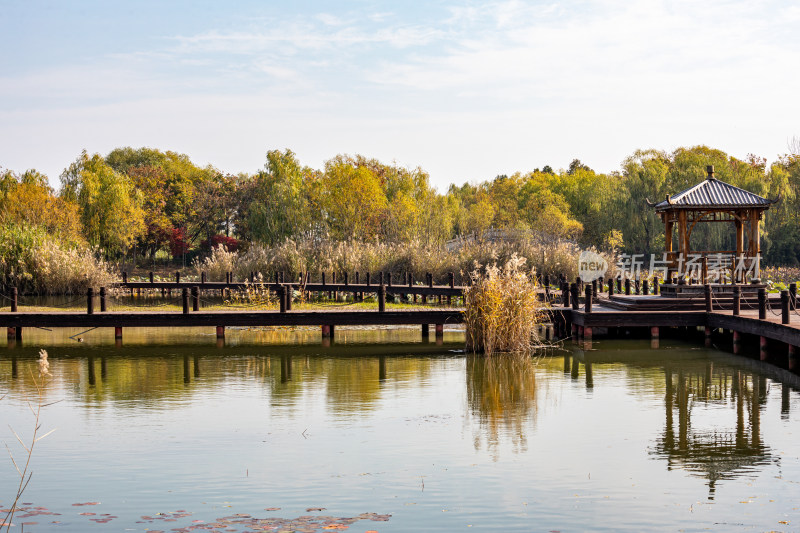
<point x="28" y="199"/>
<point x="353" y="201"/>
<point x="279" y="200"/>
<point x="110" y="207"/>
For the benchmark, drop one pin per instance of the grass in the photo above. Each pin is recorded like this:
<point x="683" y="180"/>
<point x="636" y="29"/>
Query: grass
<point x="503" y="310"/>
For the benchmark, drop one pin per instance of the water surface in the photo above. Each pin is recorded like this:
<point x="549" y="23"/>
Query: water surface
<point x="397" y="435"/>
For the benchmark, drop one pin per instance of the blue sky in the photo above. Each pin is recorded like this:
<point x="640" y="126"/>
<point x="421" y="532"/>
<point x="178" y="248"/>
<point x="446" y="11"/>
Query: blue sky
<point x="465" y="90"/>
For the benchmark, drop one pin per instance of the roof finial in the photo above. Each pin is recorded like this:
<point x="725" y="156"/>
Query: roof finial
<point x="710" y="170"/>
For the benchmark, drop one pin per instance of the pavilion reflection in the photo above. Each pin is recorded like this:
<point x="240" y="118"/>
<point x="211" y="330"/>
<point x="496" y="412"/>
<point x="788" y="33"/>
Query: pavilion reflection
<point x="714" y="454"/>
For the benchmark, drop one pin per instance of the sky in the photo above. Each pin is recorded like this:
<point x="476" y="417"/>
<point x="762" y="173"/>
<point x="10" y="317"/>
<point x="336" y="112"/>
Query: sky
<point x="465" y="90"/>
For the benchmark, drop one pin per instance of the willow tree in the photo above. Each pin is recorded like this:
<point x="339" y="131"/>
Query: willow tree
<point x="110" y="207"/>
<point x="277" y="202"/>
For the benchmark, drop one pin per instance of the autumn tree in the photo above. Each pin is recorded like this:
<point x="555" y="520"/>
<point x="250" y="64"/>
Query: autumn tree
<point x="110" y="207"/>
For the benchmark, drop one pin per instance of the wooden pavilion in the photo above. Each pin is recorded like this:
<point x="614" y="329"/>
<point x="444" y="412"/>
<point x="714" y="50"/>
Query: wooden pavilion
<point x="713" y="200"/>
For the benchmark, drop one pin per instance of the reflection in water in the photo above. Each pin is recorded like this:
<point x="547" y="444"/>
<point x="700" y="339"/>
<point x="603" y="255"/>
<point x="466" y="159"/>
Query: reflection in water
<point x="350" y="377"/>
<point x="713" y="453"/>
<point x="501" y="391"/>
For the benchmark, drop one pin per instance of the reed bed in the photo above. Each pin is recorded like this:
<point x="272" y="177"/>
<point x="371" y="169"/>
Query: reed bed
<point x="317" y="256"/>
<point x="36" y="262"/>
<point x="502" y="309"/>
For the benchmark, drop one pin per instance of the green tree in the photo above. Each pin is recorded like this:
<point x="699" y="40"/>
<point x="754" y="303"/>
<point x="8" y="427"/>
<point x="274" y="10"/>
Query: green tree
<point x="110" y="207"/>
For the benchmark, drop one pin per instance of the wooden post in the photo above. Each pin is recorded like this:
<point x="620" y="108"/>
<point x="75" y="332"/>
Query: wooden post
<point x="709" y="301"/>
<point x="737" y="300"/>
<point x="439" y="329"/>
<point x="627" y="287"/>
<point x="195" y="298"/>
<point x="124" y="277"/>
<point x="381" y="298"/>
<point x="646" y="287"/>
<point x="185" y="299"/>
<point x="102" y="299"/>
<point x="637" y="285"/>
<point x="619" y="285"/>
<point x="793" y="296"/>
<point x="177" y="277"/>
<point x="785" y="307"/>
<point x="588" y="299"/>
<point x="203" y="278"/>
<point x="573" y="289"/>
<point x="14" y="299"/>
<point x="281" y="290"/>
<point x="117" y="333"/>
<point x="90" y="301"/>
<point x="594" y="288"/>
<point x="565" y="293"/>
<point x="289" y="291"/>
<point x="762" y="304"/>
<point x="220" y="332"/>
<point x="610" y="287"/>
<point x="347" y="278"/>
<point x="152" y="277"/>
<point x="655" y="285"/>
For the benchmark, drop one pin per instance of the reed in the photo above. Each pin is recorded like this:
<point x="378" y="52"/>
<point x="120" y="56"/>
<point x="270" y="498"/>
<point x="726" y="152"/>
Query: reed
<point x="23" y="467"/>
<point x="36" y="262"/>
<point x="502" y="309"/>
<point x="316" y="256"/>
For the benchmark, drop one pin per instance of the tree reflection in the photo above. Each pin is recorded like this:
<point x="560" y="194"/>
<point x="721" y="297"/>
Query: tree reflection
<point x="716" y="453"/>
<point x="501" y="391"/>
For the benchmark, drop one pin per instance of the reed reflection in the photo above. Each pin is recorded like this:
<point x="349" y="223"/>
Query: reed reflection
<point x="502" y="394"/>
<point x="713" y="453"/>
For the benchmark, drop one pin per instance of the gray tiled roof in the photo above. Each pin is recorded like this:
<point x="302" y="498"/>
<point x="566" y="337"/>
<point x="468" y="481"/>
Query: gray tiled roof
<point x="713" y="193"/>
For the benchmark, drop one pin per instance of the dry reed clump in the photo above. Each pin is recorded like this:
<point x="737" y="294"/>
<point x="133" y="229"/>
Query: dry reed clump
<point x="218" y="264"/>
<point x="502" y="309"/>
<point x="67" y="271"/>
<point x="36" y="262"/>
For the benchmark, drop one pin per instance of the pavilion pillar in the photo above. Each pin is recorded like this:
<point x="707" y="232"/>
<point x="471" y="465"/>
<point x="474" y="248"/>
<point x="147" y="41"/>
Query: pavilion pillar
<point x="683" y="237"/>
<point x="755" y="240"/>
<point x="668" y="223"/>
<point x="739" y="221"/>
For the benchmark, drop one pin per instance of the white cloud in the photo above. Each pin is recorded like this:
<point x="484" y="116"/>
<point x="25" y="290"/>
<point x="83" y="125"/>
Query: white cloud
<point x="485" y="88"/>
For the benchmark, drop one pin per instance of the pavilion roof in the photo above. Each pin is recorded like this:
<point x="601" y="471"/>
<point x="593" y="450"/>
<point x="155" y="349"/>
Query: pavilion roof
<point x="712" y="193"/>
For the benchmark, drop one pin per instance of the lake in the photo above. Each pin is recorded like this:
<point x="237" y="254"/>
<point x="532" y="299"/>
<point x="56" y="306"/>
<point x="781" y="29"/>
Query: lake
<point x="271" y="431"/>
